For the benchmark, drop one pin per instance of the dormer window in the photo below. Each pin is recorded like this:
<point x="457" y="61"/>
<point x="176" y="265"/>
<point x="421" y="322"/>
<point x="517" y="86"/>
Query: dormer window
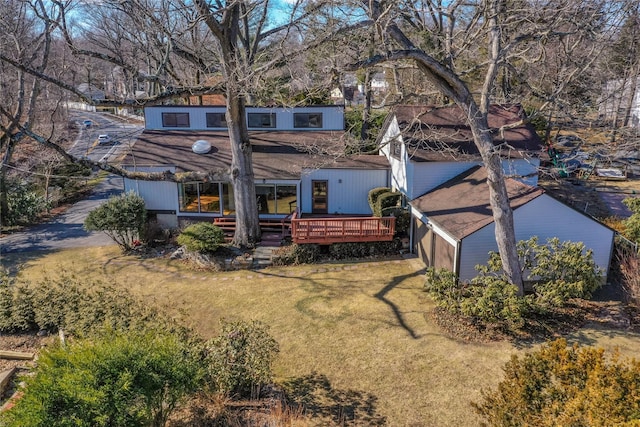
<point x="261" y="120"/>
<point x="216" y="120"/>
<point x="396" y="148"/>
<point x="175" y="120"/>
<point x="307" y="120"/>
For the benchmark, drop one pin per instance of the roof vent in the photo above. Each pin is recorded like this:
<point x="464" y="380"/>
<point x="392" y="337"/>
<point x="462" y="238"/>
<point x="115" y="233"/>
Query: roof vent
<point x="201" y="146"/>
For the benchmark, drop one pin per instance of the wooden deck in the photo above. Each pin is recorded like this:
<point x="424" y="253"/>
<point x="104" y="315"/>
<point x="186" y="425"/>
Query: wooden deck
<point x="325" y="231"/>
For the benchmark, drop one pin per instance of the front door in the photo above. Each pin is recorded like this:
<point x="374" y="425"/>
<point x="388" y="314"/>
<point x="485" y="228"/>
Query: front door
<point x="319" y="197"/>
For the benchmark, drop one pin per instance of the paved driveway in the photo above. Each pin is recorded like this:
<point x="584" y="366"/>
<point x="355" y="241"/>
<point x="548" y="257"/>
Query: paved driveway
<point x="66" y="231"/>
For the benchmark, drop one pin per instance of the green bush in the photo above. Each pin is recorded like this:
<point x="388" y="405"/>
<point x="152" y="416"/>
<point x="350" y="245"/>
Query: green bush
<point x="201" y="237"/>
<point x="559" y="271"/>
<point x="349" y="250"/>
<point x="296" y="254"/>
<point x="65" y="301"/>
<point x="386" y="203"/>
<point x="564" y="386"/>
<point x="363" y="249"/>
<point x="118" y="379"/>
<point x="24" y="204"/>
<point x="492" y="299"/>
<point x="121" y="217"/>
<point x="16" y="307"/>
<point x="403" y="219"/>
<point x="373" y="195"/>
<point x="445" y="289"/>
<point x="239" y="360"/>
<point x="632" y="224"/>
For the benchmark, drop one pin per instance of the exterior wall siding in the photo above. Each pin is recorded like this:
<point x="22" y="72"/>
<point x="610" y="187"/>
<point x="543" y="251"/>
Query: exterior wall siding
<point x="525" y="168"/>
<point x="332" y="117"/>
<point x="544" y="217"/>
<point x="348" y="189"/>
<point x="158" y="195"/>
<point x="429" y="175"/>
<point x="401" y="170"/>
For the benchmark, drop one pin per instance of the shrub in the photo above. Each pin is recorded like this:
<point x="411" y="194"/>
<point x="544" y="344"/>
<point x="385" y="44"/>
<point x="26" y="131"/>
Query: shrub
<point x="489" y="298"/>
<point x="118" y="379"/>
<point x="350" y="250"/>
<point x="24" y="205"/>
<point x="564" y="386"/>
<point x="632" y="224"/>
<point x="296" y="254"/>
<point x="201" y="237"/>
<point x="561" y="271"/>
<point x="403" y="219"/>
<point x="121" y="217"/>
<point x="374" y="193"/>
<point x="386" y="203"/>
<point x="492" y="299"/>
<point x="444" y="288"/>
<point x="153" y="234"/>
<point x="65" y="301"/>
<point x="16" y="307"/>
<point x="630" y="270"/>
<point x="239" y="360"/>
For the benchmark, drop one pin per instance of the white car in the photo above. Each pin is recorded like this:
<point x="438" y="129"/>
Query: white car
<point x="104" y="139"/>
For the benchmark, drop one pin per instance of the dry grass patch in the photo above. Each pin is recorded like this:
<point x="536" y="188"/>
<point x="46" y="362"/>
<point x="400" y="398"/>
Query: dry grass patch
<point x="358" y="346"/>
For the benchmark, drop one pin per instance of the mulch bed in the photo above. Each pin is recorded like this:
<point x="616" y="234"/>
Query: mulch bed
<point x="552" y="325"/>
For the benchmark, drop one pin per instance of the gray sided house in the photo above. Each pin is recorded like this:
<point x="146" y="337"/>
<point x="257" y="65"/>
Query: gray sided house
<point x="297" y="158"/>
<point x="620" y="100"/>
<point x="436" y="165"/>
<point x="454" y="226"/>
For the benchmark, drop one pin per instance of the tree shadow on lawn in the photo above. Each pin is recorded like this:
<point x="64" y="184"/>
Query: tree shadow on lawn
<point x="380" y="295"/>
<point x="397" y="280"/>
<point x="319" y="399"/>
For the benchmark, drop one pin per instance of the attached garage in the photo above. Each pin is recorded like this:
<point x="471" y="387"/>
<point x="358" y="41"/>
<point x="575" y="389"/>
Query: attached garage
<point x="433" y="248"/>
<point x="454" y="228"/>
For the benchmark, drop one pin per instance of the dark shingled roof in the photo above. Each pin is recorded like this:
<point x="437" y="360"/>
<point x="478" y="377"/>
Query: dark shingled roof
<point x="442" y="133"/>
<point x="276" y="155"/>
<point x="461" y="205"/>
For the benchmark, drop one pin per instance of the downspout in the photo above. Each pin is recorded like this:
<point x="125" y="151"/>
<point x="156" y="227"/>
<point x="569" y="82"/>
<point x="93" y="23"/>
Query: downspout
<point x="456" y="260"/>
<point x="411" y="231"/>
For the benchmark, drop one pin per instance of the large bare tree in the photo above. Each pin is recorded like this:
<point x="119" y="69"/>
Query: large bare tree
<point x="27" y="103"/>
<point x="176" y="49"/>
<point x="462" y="47"/>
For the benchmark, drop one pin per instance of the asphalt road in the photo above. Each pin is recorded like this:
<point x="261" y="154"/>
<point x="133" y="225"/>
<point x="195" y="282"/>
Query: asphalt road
<point x="66" y="230"/>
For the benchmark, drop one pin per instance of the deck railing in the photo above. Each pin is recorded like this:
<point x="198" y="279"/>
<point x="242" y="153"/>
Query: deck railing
<point x="337" y="230"/>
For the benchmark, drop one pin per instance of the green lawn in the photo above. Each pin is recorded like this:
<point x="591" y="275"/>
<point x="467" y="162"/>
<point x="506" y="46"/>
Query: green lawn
<point x="356" y="339"/>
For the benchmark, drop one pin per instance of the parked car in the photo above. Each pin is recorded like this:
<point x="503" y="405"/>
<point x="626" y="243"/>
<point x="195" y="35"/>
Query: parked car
<point x="87" y="123"/>
<point x="104" y="139"/>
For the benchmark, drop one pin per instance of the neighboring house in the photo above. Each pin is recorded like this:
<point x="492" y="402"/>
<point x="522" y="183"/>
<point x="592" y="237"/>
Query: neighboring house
<point x="297" y="159"/>
<point x="91" y="91"/>
<point x="619" y="98"/>
<point x="436" y="166"/>
<point x="379" y="83"/>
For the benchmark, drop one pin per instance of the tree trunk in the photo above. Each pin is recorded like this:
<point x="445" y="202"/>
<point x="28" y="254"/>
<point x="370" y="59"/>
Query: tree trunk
<point x="244" y="192"/>
<point x="498" y="199"/>
<point x="4" y="201"/>
<point x="452" y="86"/>
<point x="366" y="109"/>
